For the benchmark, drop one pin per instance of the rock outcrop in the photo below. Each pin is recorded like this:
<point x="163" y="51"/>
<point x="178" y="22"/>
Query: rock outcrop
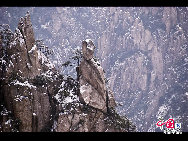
<point x="93" y="89"/>
<point x="34" y="97"/>
<point x="92" y="83"/>
<point x="94" y="106"/>
<point x="27" y="81"/>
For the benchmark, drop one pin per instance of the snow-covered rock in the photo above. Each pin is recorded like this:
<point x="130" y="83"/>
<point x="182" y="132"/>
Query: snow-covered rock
<point x="28" y="75"/>
<point x="88" y="49"/>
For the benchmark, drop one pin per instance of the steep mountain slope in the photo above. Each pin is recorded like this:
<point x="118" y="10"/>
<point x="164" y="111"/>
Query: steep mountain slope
<point x="142" y="49"/>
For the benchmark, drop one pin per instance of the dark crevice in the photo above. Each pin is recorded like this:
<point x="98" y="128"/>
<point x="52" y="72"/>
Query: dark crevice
<point x="70" y="128"/>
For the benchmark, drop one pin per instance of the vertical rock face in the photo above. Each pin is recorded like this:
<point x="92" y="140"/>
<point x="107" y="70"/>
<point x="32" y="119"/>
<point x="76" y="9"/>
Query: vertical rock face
<point x="93" y="89"/>
<point x="26" y="81"/>
<point x="26" y="29"/>
<point x="92" y="83"/>
<point x="148" y="49"/>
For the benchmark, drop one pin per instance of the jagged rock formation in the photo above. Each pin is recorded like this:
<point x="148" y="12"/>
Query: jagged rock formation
<point x="92" y="83"/>
<point x="93" y="89"/>
<point x="35" y="97"/>
<point x="28" y="81"/>
<point x="94" y="106"/>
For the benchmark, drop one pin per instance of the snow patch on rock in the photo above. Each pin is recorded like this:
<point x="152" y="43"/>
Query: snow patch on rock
<point x="26" y="83"/>
<point x="32" y="49"/>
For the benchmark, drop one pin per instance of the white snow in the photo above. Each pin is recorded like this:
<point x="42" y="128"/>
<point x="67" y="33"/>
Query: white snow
<point x="44" y="26"/>
<point x="26" y="83"/>
<point x="68" y="100"/>
<point x="5" y="112"/>
<point x="3" y="61"/>
<point x="42" y="57"/>
<point x="50" y="65"/>
<point x="21" y="40"/>
<point x="8" y="122"/>
<point x="186" y="59"/>
<point x="83" y="114"/>
<point x="162" y="111"/>
<point x="186" y="93"/>
<point x="90" y="47"/>
<point x="20" y="97"/>
<point x="19" y="37"/>
<point x="58" y="97"/>
<point x="11" y="64"/>
<point x="65" y="100"/>
<point x="28" y="64"/>
<point x="20" y="71"/>
<point x="83" y="89"/>
<point x="62" y="84"/>
<point x="88" y="44"/>
<point x="71" y="98"/>
<point x="45" y="60"/>
<point x="88" y="40"/>
<point x="97" y="65"/>
<point x="48" y="74"/>
<point x="32" y="49"/>
<point x="13" y="43"/>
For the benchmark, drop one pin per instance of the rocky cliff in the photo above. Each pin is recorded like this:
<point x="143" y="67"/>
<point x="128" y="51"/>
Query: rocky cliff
<point x="35" y="97"/>
<point x="28" y="81"/>
<point x="147" y="49"/>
